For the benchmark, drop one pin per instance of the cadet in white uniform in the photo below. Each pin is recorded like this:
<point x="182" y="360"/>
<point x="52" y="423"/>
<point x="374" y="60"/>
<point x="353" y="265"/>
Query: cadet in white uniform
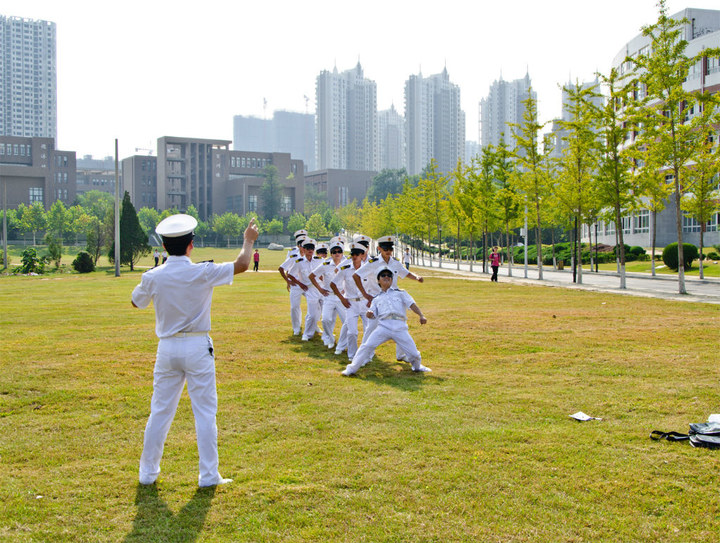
<point x="293" y="288"/>
<point x="182" y="294"/>
<point x="332" y="308"/>
<point x="344" y="288"/>
<point x="389" y="308"/>
<point x="299" y="273"/>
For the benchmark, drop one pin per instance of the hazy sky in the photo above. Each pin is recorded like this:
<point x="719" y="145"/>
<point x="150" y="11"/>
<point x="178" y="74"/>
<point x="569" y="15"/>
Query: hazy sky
<point x="138" y="70"/>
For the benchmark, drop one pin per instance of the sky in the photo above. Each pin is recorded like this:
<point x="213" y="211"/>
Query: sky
<point x="139" y="70"/>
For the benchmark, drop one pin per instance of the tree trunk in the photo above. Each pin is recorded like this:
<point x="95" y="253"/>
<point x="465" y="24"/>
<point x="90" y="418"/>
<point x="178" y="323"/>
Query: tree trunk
<point x="702" y="233"/>
<point x="509" y="254"/>
<point x="654" y="238"/>
<point x="620" y="247"/>
<point x="678" y="223"/>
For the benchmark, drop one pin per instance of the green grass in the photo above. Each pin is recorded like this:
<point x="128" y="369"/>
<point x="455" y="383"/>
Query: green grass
<point x="481" y="449"/>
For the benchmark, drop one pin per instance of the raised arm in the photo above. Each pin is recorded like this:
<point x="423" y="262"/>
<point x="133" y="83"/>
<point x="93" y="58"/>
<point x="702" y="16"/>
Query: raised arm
<point x="242" y="262"/>
<point x="415" y="309"/>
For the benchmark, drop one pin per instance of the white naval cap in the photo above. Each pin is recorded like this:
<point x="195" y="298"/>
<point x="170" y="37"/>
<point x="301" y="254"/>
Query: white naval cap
<point x="309" y="241"/>
<point x="299" y="233"/>
<point x="384" y="269"/>
<point x="386" y="239"/>
<point x="336" y="242"/>
<point x="320" y="246"/>
<point x="177" y="225"/>
<point x="358" y="246"/>
<point x="360" y="238"/>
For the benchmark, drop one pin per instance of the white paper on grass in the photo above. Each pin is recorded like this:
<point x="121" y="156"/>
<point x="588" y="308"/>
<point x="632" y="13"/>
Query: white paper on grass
<point x="582" y="417"/>
<point x="714" y="418"/>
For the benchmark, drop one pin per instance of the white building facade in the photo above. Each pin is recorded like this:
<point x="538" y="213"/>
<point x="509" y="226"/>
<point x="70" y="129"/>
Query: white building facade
<point x="28" y="78"/>
<point x="503" y="107"/>
<point x="391" y="139"/>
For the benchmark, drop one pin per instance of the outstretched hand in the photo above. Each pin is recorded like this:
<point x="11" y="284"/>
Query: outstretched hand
<point x="251" y="232"/>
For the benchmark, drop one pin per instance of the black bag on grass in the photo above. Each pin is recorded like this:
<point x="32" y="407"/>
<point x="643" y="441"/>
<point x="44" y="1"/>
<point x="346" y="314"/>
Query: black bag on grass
<point x="701" y="434"/>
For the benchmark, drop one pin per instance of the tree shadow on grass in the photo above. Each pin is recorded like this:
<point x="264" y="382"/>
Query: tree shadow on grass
<point x="155" y="522"/>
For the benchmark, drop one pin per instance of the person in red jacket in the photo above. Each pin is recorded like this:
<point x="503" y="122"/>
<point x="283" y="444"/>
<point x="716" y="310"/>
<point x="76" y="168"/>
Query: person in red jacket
<point x="494" y="263"/>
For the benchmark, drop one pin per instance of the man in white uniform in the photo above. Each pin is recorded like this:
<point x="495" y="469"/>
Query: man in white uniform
<point x="182" y="295"/>
<point x="389" y="308"/>
<point x="344" y="288"/>
<point x="332" y="308"/>
<point x="293" y="288"/>
<point x="300" y="274"/>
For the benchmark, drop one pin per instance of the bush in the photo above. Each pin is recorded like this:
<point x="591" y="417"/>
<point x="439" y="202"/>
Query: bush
<point x="637" y="250"/>
<point x="713" y="256"/>
<point x="31" y="262"/>
<point x="83" y="263"/>
<point x="670" y="255"/>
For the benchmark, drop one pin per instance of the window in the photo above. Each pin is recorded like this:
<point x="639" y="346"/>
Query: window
<point x="690" y="224"/>
<point x="641" y="221"/>
<point x="343" y="196"/>
<point x="252" y="202"/>
<point x="36" y="195"/>
<point x="286" y="204"/>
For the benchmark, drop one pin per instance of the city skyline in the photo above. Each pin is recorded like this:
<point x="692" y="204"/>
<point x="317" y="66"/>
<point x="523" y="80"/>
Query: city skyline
<point x="120" y="66"/>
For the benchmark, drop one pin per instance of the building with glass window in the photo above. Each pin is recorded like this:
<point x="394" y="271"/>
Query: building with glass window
<point x="502" y="108"/>
<point x="434" y="123"/>
<point x="32" y="170"/>
<point x="28" y="78"/>
<point x="391" y="139"/>
<point x="340" y="187"/>
<point x="702" y="31"/>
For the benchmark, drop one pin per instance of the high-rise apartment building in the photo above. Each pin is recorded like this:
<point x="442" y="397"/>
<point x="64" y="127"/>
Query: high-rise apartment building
<point x="503" y="107"/>
<point x="28" y="78"/>
<point x="346" y="120"/>
<point x="391" y="139"/>
<point x="434" y="122"/>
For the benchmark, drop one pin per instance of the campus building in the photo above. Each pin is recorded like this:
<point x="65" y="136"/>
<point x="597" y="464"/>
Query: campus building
<point x="502" y="107"/>
<point x="340" y="186"/>
<point x="32" y="170"/>
<point x="28" y="78"/>
<point x="702" y="31"/>
<point x="434" y="123"/>
<point x="346" y="120"/>
<point x="391" y="139"/>
<point x="139" y="179"/>
<point x="287" y="132"/>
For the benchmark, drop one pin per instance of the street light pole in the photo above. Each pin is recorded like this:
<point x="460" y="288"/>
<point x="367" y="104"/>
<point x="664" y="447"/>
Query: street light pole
<point x="117" y="213"/>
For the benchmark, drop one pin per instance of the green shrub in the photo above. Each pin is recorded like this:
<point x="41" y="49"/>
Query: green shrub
<point x="713" y="255"/>
<point x="637" y="250"/>
<point x="31" y="262"/>
<point x="83" y="263"/>
<point x="670" y="255"/>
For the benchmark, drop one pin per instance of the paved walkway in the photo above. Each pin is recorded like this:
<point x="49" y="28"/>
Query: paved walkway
<point x="637" y="284"/>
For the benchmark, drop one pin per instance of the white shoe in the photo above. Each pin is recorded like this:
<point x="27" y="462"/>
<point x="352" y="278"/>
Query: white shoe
<point x="403" y="358"/>
<point x="347" y="373"/>
<point x="305" y="338"/>
<point x="421" y="368"/>
<point x="331" y="345"/>
<point x="220" y="481"/>
<point x="338" y="351"/>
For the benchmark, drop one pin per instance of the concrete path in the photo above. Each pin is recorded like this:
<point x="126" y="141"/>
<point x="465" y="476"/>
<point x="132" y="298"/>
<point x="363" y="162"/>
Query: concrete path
<point x="637" y="284"/>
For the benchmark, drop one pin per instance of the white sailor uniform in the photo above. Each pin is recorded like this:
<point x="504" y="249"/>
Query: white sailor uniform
<point x="295" y="293"/>
<point x="182" y="294"/>
<point x="301" y="270"/>
<point x="390" y="310"/>
<point x="332" y="308"/>
<point x="358" y="306"/>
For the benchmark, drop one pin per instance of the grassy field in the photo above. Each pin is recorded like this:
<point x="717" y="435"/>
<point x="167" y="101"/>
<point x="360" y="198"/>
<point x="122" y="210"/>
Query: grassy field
<point x="481" y="449"/>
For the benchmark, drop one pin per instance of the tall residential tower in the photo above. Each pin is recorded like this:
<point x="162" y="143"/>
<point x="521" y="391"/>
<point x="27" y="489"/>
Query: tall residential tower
<point x="501" y="108"/>
<point x="28" y="78"/>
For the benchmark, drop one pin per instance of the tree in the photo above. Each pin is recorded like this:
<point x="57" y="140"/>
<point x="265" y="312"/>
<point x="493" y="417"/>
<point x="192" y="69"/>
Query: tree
<point x="228" y="224"/>
<point x="574" y="187"/>
<point x="349" y="216"/>
<point x="433" y="194"/>
<point x="533" y="179"/>
<point x="58" y="219"/>
<point x="274" y="228"/>
<point x="672" y="118"/>
<point x="315" y="202"/>
<point x="296" y="222"/>
<point x="506" y="196"/>
<point x="34" y="219"/>
<point x="133" y="240"/>
<point x="149" y="219"/>
<point x="97" y="203"/>
<point x="270" y="193"/>
<point x="387" y="182"/>
<point x="615" y="184"/>
<point x="702" y="197"/>
<point x="315" y="226"/>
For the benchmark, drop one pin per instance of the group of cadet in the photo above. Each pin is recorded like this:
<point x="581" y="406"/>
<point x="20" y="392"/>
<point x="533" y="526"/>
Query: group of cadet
<point x="350" y="289"/>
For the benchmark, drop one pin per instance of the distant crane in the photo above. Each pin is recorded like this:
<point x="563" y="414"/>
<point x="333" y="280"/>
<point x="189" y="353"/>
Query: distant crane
<point x="306" y="102"/>
<point x="149" y="151"/>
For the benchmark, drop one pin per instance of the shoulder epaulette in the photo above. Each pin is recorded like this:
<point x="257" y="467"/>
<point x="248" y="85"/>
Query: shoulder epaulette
<point x="374" y="259"/>
<point x="299" y="259"/>
<point x="345" y="267"/>
<point x="204" y="261"/>
<point x="327" y="262"/>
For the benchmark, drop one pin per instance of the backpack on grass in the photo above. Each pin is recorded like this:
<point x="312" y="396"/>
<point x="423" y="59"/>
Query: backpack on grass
<point x="701" y="434"/>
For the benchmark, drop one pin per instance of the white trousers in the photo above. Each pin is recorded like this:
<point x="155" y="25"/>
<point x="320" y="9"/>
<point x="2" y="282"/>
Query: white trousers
<point x="179" y="360"/>
<point x="396" y="331"/>
<point x="295" y="309"/>
<point x="332" y="310"/>
<point x="314" y="314"/>
<point x="356" y="309"/>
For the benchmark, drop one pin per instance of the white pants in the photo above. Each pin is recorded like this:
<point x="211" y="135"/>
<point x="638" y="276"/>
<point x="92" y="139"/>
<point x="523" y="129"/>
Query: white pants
<point x="314" y="314"/>
<point x="332" y="309"/>
<point x="386" y="331"/>
<point x="296" y="294"/>
<point x="179" y="360"/>
<point x="372" y="324"/>
<point x="356" y="309"/>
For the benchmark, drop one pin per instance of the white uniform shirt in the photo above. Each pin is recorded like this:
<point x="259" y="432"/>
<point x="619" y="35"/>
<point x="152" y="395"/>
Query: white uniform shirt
<point x="368" y="273"/>
<point x="327" y="270"/>
<point x="182" y="293"/>
<point x="301" y="270"/>
<point x="391" y="305"/>
<point x="343" y="281"/>
<point x="292" y="256"/>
